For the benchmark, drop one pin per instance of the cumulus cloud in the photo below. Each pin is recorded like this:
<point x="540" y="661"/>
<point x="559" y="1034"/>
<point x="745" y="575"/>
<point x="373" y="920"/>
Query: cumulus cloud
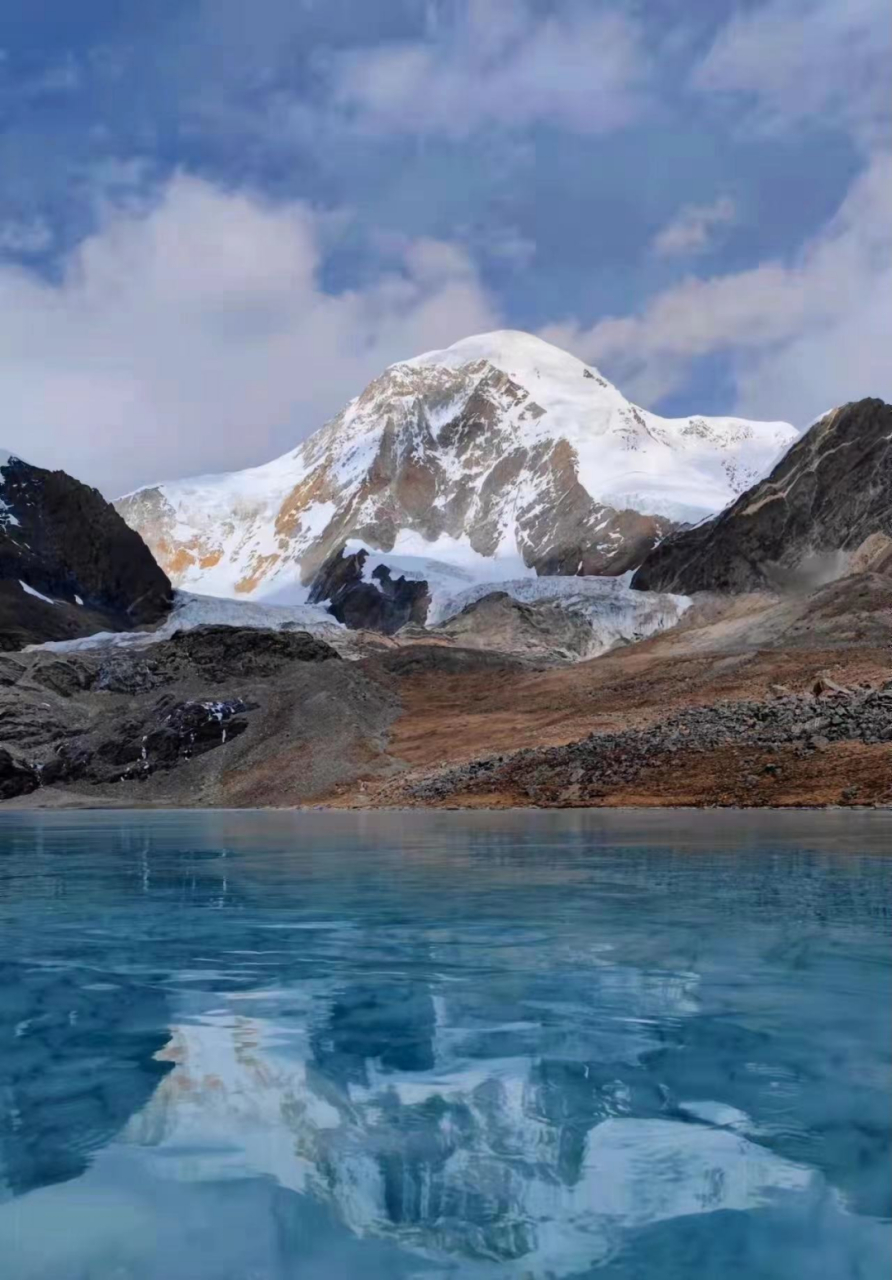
<point x="195" y="335"/>
<point x="800" y="335"/>
<point x="694" y="227"/>
<point x="794" y="60"/>
<point x="805" y="332"/>
<point x="582" y="68"/>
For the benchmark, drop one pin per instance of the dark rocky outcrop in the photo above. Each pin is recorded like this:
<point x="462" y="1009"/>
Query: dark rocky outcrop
<point x="212" y="654"/>
<point x="65" y="542"/>
<point x="385" y="604"/>
<point x="164" y="735"/>
<point x="826" y="500"/>
<point x="190" y="728"/>
<point x="216" y="653"/>
<point x="17" y="776"/>
<point x="174" y="731"/>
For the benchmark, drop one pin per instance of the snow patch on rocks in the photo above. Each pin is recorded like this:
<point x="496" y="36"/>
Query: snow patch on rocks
<point x="36" y="594"/>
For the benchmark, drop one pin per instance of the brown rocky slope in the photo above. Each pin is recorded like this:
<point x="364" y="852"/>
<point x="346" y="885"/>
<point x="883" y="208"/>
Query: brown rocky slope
<point x="750" y="701"/>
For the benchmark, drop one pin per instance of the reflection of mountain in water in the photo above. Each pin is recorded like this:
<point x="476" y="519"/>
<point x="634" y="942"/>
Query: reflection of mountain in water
<point x="387" y="1104"/>
<point x="468" y="1053"/>
<point x="78" y="1059"/>
<point x="391" y="1025"/>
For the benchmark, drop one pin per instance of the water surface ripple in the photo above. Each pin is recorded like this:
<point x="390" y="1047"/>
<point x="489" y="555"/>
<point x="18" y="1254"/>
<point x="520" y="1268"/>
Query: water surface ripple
<point x="258" y="1046"/>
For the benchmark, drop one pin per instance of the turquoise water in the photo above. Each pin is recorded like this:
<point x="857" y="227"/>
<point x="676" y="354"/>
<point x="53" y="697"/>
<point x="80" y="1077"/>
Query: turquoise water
<point x="260" y="1046"/>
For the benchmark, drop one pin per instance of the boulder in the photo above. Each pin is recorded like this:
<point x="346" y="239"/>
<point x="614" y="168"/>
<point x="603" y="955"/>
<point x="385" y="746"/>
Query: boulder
<point x="824" y="685"/>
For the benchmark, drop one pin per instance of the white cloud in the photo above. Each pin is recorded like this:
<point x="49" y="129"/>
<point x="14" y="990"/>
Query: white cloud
<point x="799" y="336"/>
<point x="693" y="229"/>
<point x="795" y="60"/>
<point x="195" y="335"/>
<point x="25" y="236"/>
<point x="584" y="69"/>
<point x="815" y="329"/>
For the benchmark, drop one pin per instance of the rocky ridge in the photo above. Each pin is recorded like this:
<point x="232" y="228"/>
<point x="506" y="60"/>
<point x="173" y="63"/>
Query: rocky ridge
<point x="382" y="604"/>
<point x="824" y="510"/>
<point x="69" y="565"/>
<point x="544" y="630"/>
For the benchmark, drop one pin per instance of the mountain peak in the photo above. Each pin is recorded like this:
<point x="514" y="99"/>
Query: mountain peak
<point x="511" y="350"/>
<point x="500" y="447"/>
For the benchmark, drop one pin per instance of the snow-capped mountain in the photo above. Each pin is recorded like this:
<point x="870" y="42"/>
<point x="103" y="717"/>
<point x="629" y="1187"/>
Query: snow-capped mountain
<point x="501" y="454"/>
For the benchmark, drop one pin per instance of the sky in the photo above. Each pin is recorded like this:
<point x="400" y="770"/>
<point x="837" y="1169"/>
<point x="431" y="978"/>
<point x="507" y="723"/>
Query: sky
<point x="220" y="220"/>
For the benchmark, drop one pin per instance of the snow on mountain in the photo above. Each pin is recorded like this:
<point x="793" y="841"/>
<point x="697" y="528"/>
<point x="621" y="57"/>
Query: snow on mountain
<point x="501" y="448"/>
<point x="681" y="468"/>
<point x="7" y="516"/>
<point x="29" y="591"/>
<point x="615" y="614"/>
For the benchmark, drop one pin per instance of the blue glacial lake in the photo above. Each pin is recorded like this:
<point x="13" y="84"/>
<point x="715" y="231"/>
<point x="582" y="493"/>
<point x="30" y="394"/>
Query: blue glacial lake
<point x="259" y="1046"/>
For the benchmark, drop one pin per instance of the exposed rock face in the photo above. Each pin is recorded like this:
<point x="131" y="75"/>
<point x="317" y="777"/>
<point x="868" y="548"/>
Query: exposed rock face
<point x="825" y="509"/>
<point x="17" y="777"/>
<point x="501" y="444"/>
<point x="216" y="653"/>
<point x="543" y="630"/>
<point x="385" y="605"/>
<point x="87" y="571"/>
<point x="172" y="732"/>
